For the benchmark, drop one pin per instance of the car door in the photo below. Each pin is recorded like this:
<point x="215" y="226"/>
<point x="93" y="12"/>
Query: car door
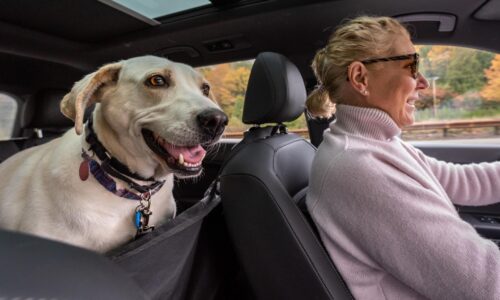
<point x="485" y="219"/>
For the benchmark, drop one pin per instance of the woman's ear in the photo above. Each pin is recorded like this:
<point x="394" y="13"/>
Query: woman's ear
<point x="357" y="74"/>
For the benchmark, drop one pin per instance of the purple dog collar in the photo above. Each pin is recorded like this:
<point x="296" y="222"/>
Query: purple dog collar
<point x="110" y="184"/>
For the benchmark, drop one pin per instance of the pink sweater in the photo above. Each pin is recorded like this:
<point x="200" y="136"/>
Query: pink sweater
<point x="385" y="214"/>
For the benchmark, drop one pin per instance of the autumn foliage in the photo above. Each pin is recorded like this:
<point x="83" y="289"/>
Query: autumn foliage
<point x="463" y="79"/>
<point x="491" y="90"/>
<point x="228" y="83"/>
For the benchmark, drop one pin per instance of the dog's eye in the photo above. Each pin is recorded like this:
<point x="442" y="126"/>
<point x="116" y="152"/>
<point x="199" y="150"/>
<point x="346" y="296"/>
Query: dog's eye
<point x="156" y="80"/>
<point x="205" y="88"/>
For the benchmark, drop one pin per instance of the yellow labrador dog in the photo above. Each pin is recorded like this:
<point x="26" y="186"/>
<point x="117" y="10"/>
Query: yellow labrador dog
<point x="99" y="185"/>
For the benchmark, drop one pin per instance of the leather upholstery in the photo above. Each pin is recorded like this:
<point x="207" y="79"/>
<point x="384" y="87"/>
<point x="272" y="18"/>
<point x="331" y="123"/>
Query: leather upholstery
<point x="42" y="111"/>
<point x="276" y="91"/>
<point x="262" y="183"/>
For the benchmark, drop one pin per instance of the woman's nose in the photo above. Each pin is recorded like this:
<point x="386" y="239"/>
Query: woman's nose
<point x="422" y="83"/>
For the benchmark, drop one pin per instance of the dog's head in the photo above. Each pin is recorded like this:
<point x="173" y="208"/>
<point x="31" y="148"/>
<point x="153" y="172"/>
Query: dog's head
<point x="154" y="115"/>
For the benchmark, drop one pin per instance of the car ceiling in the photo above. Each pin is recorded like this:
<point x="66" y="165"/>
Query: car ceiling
<point x="52" y="43"/>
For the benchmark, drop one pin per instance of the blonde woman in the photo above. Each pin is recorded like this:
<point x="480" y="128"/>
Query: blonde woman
<point x="384" y="210"/>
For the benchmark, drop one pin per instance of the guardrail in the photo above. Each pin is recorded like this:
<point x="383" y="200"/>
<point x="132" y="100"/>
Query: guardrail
<point x="440" y="125"/>
<point x="461" y="124"/>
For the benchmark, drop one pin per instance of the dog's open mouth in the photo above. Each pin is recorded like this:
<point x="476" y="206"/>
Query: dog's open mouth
<point x="184" y="159"/>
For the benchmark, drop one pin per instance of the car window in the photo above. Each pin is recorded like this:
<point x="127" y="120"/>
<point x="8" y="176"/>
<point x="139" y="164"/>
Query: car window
<point x="228" y="83"/>
<point x="8" y="111"/>
<point x="463" y="98"/>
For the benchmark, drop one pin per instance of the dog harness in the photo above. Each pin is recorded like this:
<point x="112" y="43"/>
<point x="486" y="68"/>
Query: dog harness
<point x="111" y="166"/>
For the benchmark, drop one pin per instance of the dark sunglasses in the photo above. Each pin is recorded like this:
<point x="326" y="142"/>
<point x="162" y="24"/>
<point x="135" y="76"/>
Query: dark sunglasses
<point x="413" y="66"/>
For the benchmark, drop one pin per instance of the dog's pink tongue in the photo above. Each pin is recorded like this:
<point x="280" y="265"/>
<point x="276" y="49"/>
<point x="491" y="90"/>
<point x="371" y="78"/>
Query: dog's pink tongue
<point x="191" y="154"/>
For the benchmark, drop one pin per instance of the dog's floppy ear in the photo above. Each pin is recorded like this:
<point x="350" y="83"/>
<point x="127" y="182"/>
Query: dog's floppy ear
<point x="84" y="92"/>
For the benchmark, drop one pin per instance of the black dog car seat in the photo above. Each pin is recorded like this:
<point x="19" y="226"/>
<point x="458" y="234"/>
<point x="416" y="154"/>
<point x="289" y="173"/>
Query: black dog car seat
<point x="176" y="260"/>
<point x="36" y="268"/>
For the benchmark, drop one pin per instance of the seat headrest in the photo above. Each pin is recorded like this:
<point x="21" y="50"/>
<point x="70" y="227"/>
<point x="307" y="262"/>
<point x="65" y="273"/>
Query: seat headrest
<point x="42" y="111"/>
<point x="276" y="92"/>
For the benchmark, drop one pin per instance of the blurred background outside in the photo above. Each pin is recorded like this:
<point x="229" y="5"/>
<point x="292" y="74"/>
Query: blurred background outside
<point x="462" y="101"/>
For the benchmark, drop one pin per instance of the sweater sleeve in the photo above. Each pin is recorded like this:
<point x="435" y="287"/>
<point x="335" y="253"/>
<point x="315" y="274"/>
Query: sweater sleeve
<point x="470" y="184"/>
<point x="406" y="229"/>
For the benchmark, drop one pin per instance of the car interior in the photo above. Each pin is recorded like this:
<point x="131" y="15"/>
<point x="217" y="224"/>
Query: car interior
<point x="256" y="241"/>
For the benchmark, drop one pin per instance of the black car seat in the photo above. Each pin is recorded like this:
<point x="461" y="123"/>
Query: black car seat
<point x="264" y="182"/>
<point x="42" y="120"/>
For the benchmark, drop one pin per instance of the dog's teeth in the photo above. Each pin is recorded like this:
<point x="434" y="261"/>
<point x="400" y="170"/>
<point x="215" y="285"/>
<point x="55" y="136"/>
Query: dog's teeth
<point x="190" y="165"/>
<point x="181" y="159"/>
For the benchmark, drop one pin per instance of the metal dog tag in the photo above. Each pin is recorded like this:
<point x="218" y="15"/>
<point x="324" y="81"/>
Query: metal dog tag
<point x="142" y="214"/>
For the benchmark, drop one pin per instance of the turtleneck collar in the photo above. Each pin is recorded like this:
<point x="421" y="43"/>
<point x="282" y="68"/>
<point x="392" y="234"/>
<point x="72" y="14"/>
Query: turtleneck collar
<point x="367" y="122"/>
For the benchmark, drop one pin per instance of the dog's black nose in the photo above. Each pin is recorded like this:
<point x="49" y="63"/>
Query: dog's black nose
<point x="212" y="121"/>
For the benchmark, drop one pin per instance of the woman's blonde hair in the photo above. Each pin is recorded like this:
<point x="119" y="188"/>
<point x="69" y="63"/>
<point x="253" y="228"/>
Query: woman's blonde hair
<point x="319" y="105"/>
<point x="358" y="39"/>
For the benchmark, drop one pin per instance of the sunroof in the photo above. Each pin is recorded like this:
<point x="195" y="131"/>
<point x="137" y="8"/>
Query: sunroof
<point x="157" y="8"/>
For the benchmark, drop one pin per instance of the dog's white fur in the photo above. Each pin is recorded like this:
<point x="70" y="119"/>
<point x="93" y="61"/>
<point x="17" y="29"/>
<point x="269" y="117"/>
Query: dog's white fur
<point x="40" y="189"/>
